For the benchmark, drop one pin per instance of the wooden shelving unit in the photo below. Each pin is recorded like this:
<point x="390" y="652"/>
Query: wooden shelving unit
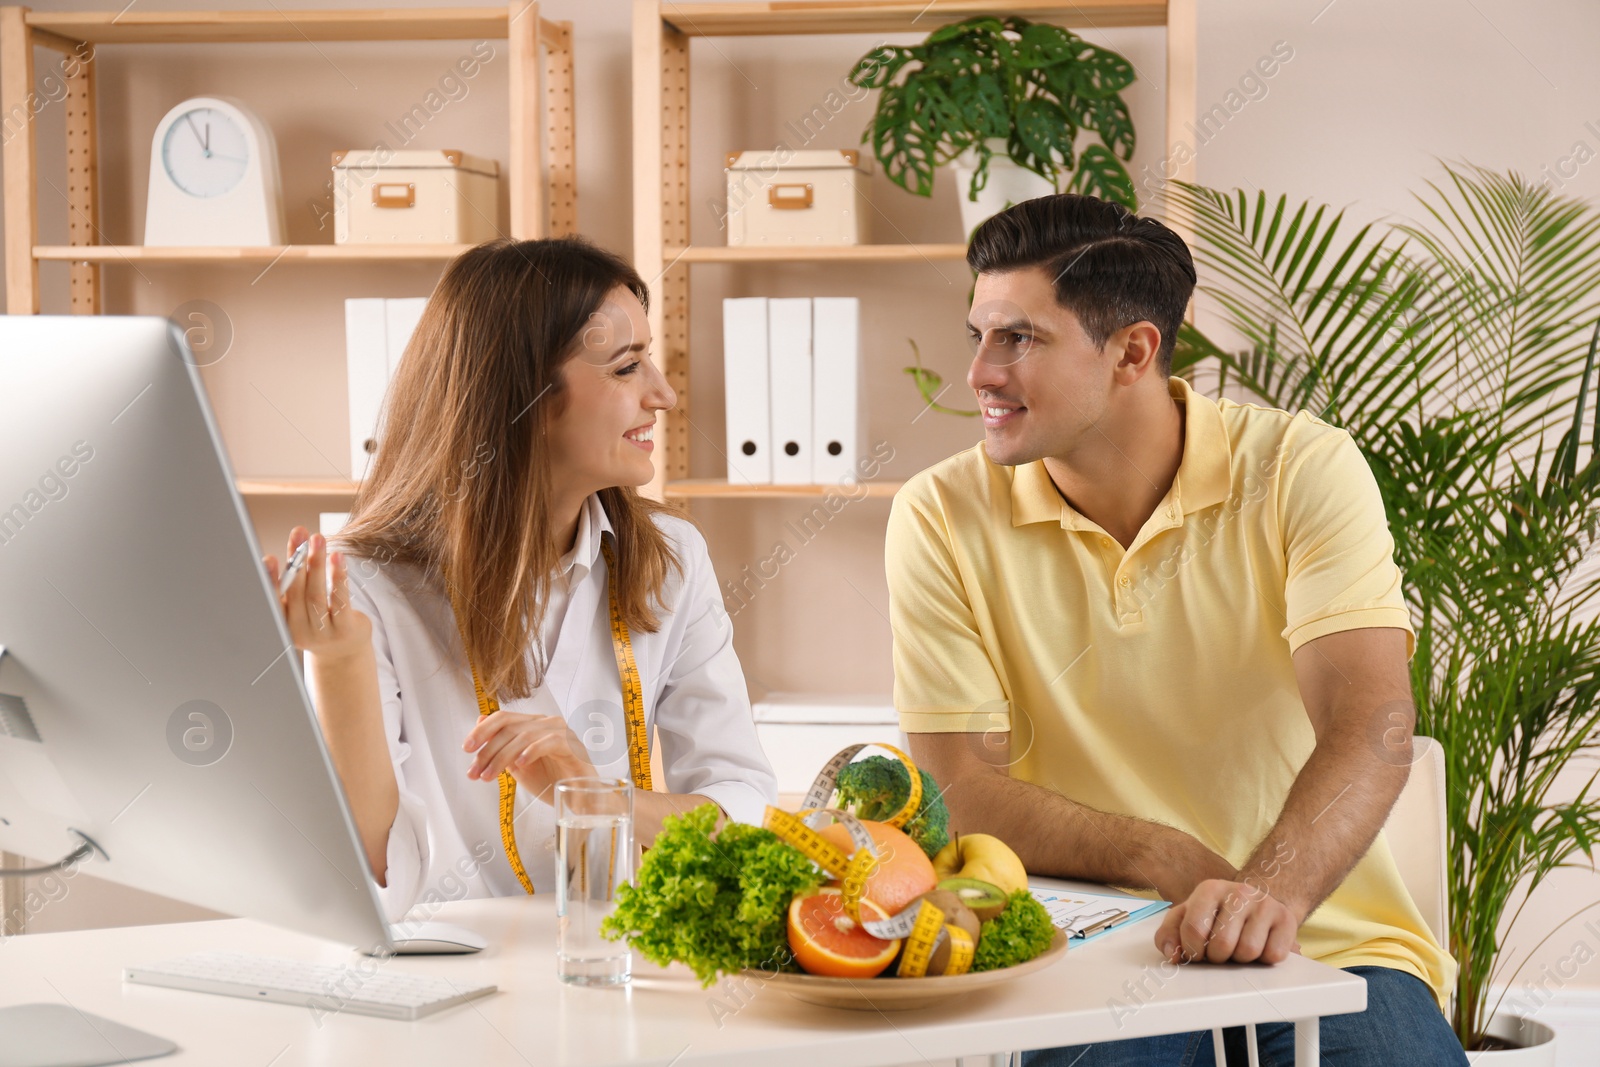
<point x="337" y="489"/>
<point x="302" y="488"/>
<point x="540" y="174"/>
<point x="662" y="30"/>
<point x="253" y="255"/>
<point x="783" y="17"/>
<point x="723" y="489"/>
<point x="903" y="253"/>
<point x="222" y="27"/>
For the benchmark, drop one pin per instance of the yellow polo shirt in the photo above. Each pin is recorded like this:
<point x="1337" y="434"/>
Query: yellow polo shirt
<point x="1157" y="682"/>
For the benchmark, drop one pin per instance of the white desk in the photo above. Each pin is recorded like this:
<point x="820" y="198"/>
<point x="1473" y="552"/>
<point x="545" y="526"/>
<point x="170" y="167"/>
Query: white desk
<point x="1092" y="994"/>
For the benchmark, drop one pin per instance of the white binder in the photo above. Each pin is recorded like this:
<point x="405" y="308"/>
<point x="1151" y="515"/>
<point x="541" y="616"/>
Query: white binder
<point x="367" y="372"/>
<point x="837" y="425"/>
<point x="789" y="344"/>
<point x="402" y="316"/>
<point x="376" y="333"/>
<point x="745" y="377"/>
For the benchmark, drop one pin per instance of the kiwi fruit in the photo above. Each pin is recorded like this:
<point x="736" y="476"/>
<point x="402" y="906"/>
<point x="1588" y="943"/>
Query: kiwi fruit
<point x="956" y="911"/>
<point x="955" y="914"/>
<point x="984" y="898"/>
<point x="939" y="959"/>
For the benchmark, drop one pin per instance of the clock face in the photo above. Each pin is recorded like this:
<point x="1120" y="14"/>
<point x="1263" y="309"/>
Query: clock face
<point x="205" y="152"/>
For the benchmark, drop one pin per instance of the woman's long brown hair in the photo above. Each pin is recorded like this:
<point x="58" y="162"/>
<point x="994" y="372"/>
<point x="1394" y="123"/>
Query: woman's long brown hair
<point x="461" y="477"/>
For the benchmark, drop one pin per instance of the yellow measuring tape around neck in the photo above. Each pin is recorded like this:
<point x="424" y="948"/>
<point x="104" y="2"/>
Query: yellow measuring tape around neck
<point x="632" y="711"/>
<point x="632" y="688"/>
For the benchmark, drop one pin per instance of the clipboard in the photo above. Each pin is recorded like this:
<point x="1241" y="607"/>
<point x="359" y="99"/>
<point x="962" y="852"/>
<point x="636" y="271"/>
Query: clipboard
<point x="1086" y="916"/>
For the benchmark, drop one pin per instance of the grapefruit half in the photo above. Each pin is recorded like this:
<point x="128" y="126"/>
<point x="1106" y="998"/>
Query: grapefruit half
<point x="827" y="941"/>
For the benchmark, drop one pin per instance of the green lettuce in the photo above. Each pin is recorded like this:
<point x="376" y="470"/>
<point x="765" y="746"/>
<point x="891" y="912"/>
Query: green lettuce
<point x="1015" y="936"/>
<point x="717" y="905"/>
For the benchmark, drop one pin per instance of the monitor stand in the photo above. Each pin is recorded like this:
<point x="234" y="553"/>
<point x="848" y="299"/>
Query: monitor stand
<point x="432" y="939"/>
<point x="57" y="1035"/>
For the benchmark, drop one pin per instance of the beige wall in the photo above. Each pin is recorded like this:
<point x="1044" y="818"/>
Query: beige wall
<point x="1374" y="92"/>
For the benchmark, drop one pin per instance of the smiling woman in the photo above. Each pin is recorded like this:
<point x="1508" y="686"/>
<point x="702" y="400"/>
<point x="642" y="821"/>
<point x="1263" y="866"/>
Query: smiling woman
<point x="513" y="611"/>
<point x="535" y="348"/>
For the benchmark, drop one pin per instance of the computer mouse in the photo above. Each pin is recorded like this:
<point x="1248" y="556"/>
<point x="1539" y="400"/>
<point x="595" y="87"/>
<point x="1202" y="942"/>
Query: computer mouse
<point x="433" y="939"/>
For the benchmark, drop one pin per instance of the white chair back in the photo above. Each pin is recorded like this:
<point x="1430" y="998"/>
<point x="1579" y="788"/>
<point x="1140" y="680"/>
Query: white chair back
<point x="1417" y="831"/>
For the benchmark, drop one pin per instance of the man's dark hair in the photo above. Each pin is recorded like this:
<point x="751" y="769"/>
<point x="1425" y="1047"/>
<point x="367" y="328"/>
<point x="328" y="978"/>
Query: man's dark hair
<point x="1111" y="267"/>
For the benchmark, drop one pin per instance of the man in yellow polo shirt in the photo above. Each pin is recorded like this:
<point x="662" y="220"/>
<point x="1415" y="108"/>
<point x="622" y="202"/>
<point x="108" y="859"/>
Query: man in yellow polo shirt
<point x="1158" y="641"/>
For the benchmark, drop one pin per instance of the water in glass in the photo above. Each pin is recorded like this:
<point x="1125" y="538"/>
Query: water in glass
<point x="594" y="856"/>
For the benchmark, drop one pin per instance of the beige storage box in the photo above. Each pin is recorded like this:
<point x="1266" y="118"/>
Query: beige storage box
<point x="414" y="196"/>
<point x="810" y="197"/>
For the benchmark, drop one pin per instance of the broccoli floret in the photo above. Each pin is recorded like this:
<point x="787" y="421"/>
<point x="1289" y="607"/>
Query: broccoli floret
<point x="877" y="787"/>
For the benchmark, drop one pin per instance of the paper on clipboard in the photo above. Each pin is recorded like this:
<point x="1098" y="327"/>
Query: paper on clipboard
<point x="1086" y="916"/>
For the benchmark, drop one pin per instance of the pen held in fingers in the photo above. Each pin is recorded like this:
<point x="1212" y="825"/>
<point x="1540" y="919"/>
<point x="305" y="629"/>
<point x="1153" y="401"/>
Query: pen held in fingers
<point x="294" y="566"/>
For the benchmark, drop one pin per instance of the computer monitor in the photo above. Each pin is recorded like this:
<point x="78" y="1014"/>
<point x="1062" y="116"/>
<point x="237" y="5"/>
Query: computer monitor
<point x="150" y="697"/>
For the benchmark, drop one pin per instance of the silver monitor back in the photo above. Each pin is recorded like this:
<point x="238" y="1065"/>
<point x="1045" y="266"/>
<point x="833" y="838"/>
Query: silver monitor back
<point x="149" y="694"/>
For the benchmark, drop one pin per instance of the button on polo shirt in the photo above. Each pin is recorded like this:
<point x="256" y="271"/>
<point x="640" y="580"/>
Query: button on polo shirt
<point x="1156" y="681"/>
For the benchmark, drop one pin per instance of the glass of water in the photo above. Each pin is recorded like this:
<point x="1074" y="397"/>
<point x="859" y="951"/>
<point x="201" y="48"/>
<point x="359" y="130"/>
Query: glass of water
<point x="594" y="857"/>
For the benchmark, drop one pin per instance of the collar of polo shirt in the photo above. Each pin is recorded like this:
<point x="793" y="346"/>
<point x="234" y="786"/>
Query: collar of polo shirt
<point x="1204" y="474"/>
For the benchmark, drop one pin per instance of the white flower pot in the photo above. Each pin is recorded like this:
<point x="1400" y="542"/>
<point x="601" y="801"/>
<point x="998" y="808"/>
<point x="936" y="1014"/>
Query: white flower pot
<point x="1008" y="184"/>
<point x="1538" y="1043"/>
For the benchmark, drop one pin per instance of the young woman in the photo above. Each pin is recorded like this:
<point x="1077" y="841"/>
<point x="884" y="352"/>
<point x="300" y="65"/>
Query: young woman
<point x="505" y="610"/>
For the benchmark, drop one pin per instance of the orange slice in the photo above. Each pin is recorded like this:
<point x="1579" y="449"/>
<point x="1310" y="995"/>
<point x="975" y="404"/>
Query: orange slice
<point x="827" y="941"/>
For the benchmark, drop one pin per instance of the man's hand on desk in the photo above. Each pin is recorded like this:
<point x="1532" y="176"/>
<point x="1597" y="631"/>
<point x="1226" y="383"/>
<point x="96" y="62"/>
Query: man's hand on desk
<point x="1177" y="864"/>
<point x="1224" y="921"/>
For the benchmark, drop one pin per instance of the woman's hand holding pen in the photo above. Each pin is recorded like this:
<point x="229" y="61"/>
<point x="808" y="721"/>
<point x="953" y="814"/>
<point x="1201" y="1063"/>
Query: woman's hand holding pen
<point x="342" y="674"/>
<point x="538" y="750"/>
<point x="321" y="620"/>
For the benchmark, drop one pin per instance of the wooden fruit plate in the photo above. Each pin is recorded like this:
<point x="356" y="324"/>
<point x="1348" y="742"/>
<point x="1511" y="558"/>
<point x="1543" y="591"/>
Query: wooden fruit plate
<point x="902" y="994"/>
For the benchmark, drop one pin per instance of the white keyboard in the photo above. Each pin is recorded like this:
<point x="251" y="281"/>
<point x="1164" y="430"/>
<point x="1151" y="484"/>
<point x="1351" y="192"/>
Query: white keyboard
<point x="369" y="988"/>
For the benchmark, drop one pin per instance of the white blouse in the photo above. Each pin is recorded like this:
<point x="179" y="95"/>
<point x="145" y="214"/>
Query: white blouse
<point x="445" y="842"/>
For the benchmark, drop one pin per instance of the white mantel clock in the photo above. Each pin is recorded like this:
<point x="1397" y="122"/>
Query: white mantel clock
<point x="213" y="177"/>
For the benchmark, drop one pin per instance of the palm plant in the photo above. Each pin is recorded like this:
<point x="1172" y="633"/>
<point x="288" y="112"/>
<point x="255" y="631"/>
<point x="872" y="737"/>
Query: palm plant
<point x="1453" y="349"/>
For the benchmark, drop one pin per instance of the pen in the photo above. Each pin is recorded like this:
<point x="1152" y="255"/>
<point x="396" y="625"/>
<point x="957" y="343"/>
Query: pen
<point x="292" y="568"/>
<point x="1077" y="923"/>
<point x="1104" y="924"/>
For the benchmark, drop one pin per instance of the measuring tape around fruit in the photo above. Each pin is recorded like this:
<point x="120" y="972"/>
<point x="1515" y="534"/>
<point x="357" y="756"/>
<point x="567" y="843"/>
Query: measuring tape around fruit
<point x="921" y="925"/>
<point x="822" y="785"/>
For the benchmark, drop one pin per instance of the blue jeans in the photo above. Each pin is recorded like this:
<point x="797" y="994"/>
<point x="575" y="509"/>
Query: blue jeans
<point x="1402" y="1025"/>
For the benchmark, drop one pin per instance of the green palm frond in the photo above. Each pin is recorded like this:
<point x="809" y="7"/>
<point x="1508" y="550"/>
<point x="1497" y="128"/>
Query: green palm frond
<point x="1461" y="353"/>
<point x="1520" y="268"/>
<point x="1334" y="318"/>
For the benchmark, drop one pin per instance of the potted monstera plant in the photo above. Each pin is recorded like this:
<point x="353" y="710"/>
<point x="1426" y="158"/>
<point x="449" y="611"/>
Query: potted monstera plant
<point x="1007" y="101"/>
<point x="1460" y="354"/>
